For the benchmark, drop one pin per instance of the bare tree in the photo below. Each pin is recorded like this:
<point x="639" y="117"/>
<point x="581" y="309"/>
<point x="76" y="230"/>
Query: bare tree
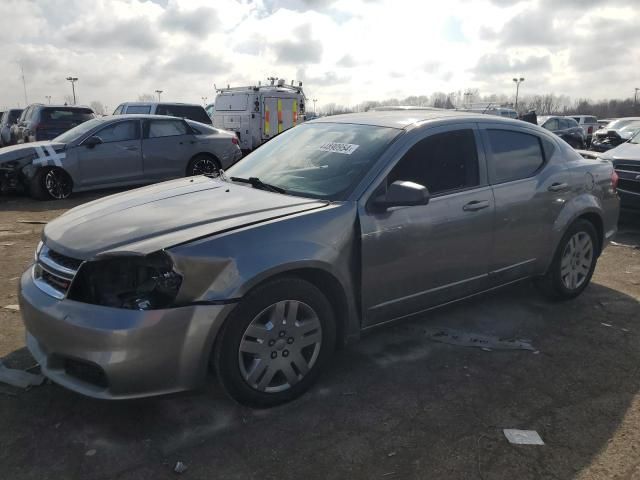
<point x="147" y="97"/>
<point x="97" y="107"/>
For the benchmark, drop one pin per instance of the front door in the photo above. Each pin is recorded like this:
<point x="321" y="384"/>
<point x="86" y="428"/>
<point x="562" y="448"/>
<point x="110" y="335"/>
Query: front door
<point x="417" y="257"/>
<point x="117" y="159"/>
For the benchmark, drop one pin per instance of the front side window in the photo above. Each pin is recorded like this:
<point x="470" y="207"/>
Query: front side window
<point x="514" y="155"/>
<point x="443" y="162"/>
<point x="166" y="128"/>
<point x="120" y="132"/>
<point x="317" y="160"/>
<point x="552" y="124"/>
<point x="118" y="110"/>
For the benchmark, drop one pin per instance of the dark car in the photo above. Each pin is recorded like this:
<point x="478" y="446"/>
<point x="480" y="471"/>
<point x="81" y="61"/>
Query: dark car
<point x="566" y="128"/>
<point x="9" y="118"/>
<point x="45" y="122"/>
<point x="615" y="133"/>
<point x="626" y="161"/>
<point x="190" y="111"/>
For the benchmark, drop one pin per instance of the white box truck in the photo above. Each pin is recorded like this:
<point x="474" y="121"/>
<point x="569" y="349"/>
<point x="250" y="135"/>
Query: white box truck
<point x="258" y="113"/>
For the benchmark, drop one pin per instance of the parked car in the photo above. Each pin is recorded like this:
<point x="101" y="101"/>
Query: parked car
<point x="118" y="151"/>
<point x="566" y="128"/>
<point x="17" y="128"/>
<point x="615" y="133"/>
<point x="589" y="124"/>
<point x="9" y="118"/>
<point x="335" y="227"/>
<point x="626" y="161"/>
<point x="183" y="110"/>
<point x="210" y="109"/>
<point x="46" y="122"/>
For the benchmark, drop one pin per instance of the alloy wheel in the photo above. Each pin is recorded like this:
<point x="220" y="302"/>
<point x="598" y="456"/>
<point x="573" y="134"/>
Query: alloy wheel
<point x="280" y="346"/>
<point x="577" y="259"/>
<point x="204" y="166"/>
<point x="57" y="184"/>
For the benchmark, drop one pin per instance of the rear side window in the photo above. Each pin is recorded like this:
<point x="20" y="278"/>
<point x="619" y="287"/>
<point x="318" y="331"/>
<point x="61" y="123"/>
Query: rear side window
<point x="143" y="109"/>
<point x="551" y="124"/>
<point x="118" y="110"/>
<point x="192" y="112"/>
<point x="62" y="114"/>
<point x="166" y="128"/>
<point x="514" y="155"/>
<point x="120" y="132"/>
<point x="577" y="119"/>
<point x="443" y="162"/>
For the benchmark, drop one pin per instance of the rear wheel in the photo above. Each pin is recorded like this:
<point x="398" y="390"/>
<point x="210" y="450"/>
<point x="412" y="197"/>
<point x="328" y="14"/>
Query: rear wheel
<point x="276" y="342"/>
<point x="203" y="165"/>
<point x="51" y="184"/>
<point x="573" y="263"/>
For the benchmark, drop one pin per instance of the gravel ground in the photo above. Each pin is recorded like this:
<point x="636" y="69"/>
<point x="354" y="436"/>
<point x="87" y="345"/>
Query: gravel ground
<point x="394" y="406"/>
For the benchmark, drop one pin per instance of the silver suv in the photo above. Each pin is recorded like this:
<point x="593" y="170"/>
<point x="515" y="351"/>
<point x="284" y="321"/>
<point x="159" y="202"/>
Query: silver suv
<point x="330" y="229"/>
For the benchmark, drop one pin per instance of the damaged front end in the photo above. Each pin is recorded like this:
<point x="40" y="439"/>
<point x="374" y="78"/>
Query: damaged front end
<point x="131" y="282"/>
<point x="10" y="178"/>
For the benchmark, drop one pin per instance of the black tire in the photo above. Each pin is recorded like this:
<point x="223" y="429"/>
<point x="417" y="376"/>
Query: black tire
<point x="226" y="354"/>
<point x="203" y="164"/>
<point x="38" y="187"/>
<point x="552" y="284"/>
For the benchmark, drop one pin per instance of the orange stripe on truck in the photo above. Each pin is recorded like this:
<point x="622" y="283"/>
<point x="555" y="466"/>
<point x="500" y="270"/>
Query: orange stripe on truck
<point x="280" y="116"/>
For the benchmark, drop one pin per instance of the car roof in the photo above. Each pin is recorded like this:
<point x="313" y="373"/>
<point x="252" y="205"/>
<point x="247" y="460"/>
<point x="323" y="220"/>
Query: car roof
<point x="140" y="116"/>
<point x="144" y="104"/>
<point x="404" y="119"/>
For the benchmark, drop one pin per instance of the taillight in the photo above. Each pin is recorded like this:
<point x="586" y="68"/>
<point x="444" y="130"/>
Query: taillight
<point x="614" y="181"/>
<point x="235" y="140"/>
<point x="590" y="131"/>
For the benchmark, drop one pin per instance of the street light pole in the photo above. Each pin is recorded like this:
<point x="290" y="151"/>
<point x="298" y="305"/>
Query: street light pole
<point x="517" y="81"/>
<point x="315" y="113"/>
<point x="159" y="92"/>
<point x="73" y="80"/>
<point x="48" y="97"/>
<point x="204" y="100"/>
<point x="635" y="98"/>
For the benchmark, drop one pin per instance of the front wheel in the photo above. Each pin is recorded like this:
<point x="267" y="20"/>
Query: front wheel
<point x="275" y="343"/>
<point x="573" y="263"/>
<point x="51" y="184"/>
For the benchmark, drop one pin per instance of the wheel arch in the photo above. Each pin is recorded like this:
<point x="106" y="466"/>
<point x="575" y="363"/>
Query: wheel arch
<point x="200" y="154"/>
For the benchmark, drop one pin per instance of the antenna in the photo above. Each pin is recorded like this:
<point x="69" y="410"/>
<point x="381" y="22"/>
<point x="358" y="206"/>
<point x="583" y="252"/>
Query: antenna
<point x="24" y="86"/>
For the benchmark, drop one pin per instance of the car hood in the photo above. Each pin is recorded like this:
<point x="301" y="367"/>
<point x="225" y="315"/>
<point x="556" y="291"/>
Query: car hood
<point x="26" y="152"/>
<point x="624" y="151"/>
<point x="166" y="214"/>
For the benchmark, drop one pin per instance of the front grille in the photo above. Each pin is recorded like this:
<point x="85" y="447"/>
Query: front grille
<point x="53" y="272"/>
<point x="627" y="167"/>
<point x="629" y="185"/>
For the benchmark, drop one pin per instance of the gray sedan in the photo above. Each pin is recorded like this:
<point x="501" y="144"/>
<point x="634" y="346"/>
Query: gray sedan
<point x="117" y="151"/>
<point x="334" y="227"/>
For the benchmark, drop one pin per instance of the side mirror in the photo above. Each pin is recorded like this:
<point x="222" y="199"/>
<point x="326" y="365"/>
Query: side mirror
<point x="92" y="141"/>
<point x="403" y="194"/>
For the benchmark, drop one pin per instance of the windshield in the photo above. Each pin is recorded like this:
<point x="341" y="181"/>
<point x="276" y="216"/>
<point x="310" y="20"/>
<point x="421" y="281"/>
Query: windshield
<point x="630" y="129"/>
<point x="616" y="124"/>
<point x="77" y="132"/>
<point x="319" y="160"/>
<point x="636" y="138"/>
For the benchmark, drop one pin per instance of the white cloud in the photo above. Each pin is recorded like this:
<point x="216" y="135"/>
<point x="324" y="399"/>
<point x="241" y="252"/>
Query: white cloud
<point x="345" y="51"/>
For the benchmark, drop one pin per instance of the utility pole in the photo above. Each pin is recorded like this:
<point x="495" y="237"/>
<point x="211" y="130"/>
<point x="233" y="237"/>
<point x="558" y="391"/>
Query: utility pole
<point x="315" y="113"/>
<point x="517" y="81"/>
<point x="48" y="97"/>
<point x="159" y="92"/>
<point x="73" y="80"/>
<point x="24" y="86"/>
<point x="635" y="98"/>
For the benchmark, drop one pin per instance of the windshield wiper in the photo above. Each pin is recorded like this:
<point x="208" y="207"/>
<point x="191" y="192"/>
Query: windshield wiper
<point x="255" y="182"/>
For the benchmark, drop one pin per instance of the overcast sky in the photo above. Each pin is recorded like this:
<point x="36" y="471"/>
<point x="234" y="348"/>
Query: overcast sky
<point x="344" y="51"/>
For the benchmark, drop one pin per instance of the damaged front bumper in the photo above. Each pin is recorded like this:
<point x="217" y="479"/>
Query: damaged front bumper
<point x="113" y="353"/>
<point x="9" y="180"/>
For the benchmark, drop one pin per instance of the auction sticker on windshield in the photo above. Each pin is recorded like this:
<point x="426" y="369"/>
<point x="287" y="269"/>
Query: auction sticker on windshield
<point x="344" y="148"/>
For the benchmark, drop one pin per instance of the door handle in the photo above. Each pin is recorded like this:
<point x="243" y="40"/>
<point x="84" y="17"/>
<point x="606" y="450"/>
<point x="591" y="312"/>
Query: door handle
<point x="558" y="187"/>
<point x="475" y="205"/>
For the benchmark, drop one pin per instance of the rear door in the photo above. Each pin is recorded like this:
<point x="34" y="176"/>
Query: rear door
<point x="117" y="160"/>
<point x="529" y="187"/>
<point x="167" y="147"/>
<point x="420" y="256"/>
<point x="278" y="115"/>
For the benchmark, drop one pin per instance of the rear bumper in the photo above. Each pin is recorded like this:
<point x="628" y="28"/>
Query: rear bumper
<point x="111" y="353"/>
<point x="629" y="200"/>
